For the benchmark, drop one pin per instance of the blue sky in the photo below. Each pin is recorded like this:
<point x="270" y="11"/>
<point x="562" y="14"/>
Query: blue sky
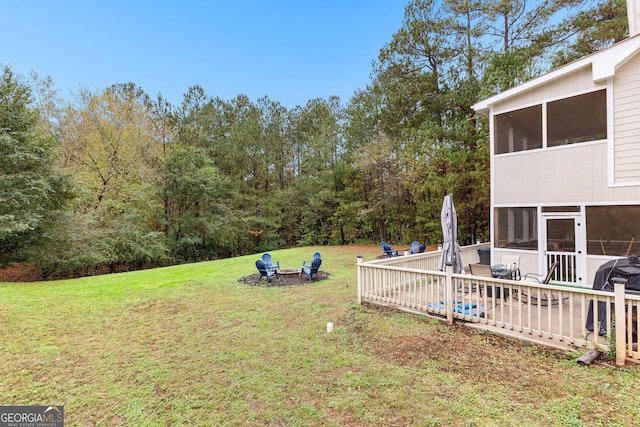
<point x="290" y="51"/>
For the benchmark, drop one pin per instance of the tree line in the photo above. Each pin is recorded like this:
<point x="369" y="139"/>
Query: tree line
<point x="114" y="177"/>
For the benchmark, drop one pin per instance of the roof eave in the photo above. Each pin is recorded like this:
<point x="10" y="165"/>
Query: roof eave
<point x="603" y="65"/>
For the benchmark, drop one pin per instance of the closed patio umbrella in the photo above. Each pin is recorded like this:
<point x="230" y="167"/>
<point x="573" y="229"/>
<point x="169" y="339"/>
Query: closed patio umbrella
<point x="450" y="248"/>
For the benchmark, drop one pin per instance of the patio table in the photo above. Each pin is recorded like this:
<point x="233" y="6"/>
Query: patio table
<point x="501" y="271"/>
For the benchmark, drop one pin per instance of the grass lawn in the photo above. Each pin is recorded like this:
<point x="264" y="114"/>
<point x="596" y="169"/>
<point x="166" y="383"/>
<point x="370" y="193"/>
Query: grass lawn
<point x="189" y="345"/>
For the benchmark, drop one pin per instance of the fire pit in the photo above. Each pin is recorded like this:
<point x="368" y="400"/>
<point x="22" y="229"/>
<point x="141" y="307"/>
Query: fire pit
<point x="288" y="271"/>
<point x="291" y="277"/>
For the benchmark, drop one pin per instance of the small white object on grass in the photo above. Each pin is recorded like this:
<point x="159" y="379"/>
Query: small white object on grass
<point x="329" y="327"/>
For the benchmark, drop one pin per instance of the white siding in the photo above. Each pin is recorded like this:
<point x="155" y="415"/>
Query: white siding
<point x="571" y="84"/>
<point x="577" y="173"/>
<point x="573" y="174"/>
<point x="626" y="110"/>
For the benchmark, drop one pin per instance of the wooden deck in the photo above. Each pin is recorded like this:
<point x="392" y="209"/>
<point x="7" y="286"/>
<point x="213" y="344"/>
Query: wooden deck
<point x="561" y="323"/>
<point x="528" y="312"/>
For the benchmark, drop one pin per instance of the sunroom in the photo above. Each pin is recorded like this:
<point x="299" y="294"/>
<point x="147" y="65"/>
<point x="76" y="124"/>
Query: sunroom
<point x="565" y="166"/>
<point x="565" y="191"/>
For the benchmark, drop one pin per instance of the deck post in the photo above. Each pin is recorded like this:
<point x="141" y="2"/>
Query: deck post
<point x="359" y="261"/>
<point x="448" y="289"/>
<point x="621" y="324"/>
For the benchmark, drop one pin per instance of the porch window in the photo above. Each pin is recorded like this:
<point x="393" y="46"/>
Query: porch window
<point x="613" y="230"/>
<point x="518" y="130"/>
<point x="572" y="120"/>
<point x="516" y="228"/>
<point x="577" y="119"/>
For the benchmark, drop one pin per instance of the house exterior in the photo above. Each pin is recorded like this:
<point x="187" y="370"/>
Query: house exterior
<point x="565" y="165"/>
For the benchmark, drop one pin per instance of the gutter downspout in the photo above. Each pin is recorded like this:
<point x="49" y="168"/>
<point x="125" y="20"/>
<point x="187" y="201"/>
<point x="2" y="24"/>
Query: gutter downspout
<point x="633" y="9"/>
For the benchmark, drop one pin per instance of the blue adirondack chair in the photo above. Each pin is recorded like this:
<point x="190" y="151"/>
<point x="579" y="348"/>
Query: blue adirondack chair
<point x="422" y="248"/>
<point x="390" y="252"/>
<point x="307" y="263"/>
<point x="265" y="272"/>
<point x="266" y="258"/>
<point x="415" y="246"/>
<point x="312" y="269"/>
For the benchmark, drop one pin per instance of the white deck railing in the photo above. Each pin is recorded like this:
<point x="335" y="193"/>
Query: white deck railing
<point x="559" y="316"/>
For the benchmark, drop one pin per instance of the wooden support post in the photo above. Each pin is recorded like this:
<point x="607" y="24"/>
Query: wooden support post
<point x="621" y="325"/>
<point x="448" y="288"/>
<point x="359" y="280"/>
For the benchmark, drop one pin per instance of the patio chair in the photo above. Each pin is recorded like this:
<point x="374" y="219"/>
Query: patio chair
<point x="544" y="280"/>
<point x="307" y="263"/>
<point x="414" y="247"/>
<point x="388" y="250"/>
<point x="266" y="258"/>
<point x="483" y="270"/>
<point x="422" y="248"/>
<point x="312" y="269"/>
<point x="513" y="263"/>
<point x="265" y="272"/>
<point x="544" y="299"/>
